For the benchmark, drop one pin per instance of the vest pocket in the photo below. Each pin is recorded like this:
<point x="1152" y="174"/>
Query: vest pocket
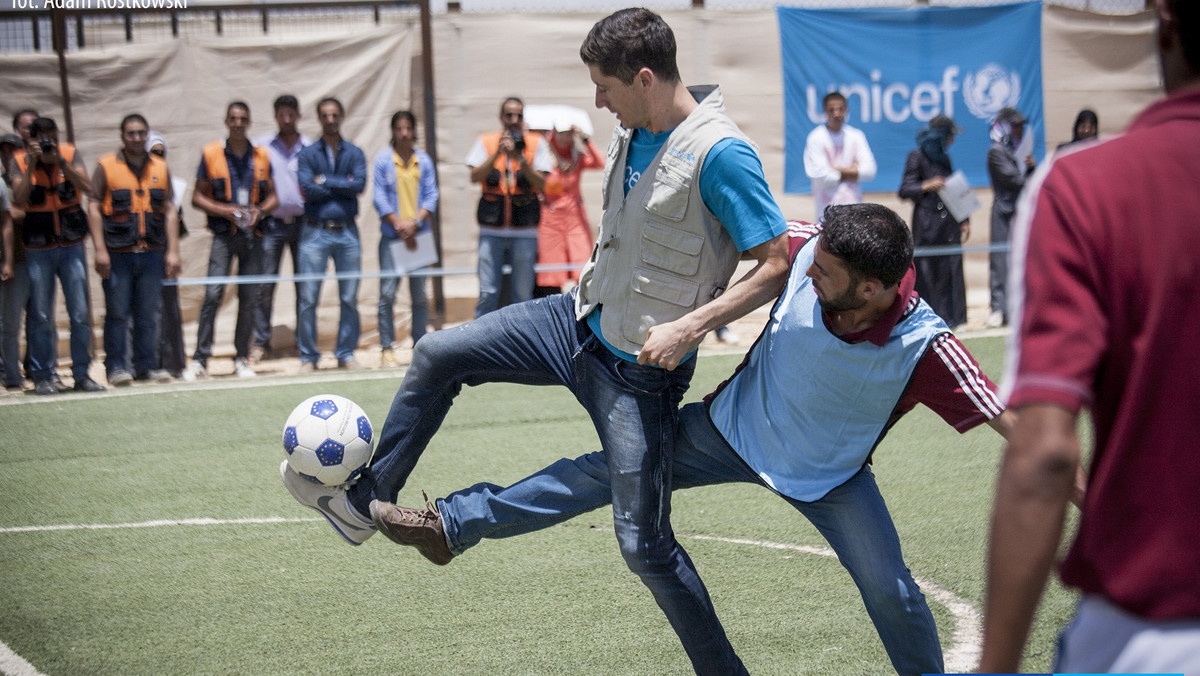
<point x="37" y="195"/>
<point x="38" y="229"/>
<point x="526" y="210"/>
<point x="120" y="235"/>
<point x="671" y="249"/>
<point x="158" y="199"/>
<point x="667" y="288"/>
<point x="66" y="191"/>
<point x="672" y="186"/>
<point x="73" y="223"/>
<point x="122" y="202"/>
<point x="220" y="189"/>
<point x="490" y="210"/>
<point x="156" y="228"/>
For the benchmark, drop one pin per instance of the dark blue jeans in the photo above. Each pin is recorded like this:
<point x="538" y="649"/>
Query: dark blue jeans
<point x="69" y="265"/>
<point x="387" y="298"/>
<point x="277" y="236"/>
<point x="132" y="292"/>
<point x="317" y="246"/>
<point x="853" y="518"/>
<point x="633" y="407"/>
<point x="247" y="248"/>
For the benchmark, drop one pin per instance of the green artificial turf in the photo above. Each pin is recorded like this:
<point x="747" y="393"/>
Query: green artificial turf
<point x="289" y="597"/>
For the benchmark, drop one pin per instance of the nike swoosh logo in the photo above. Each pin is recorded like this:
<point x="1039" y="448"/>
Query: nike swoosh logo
<point x="323" y="503"/>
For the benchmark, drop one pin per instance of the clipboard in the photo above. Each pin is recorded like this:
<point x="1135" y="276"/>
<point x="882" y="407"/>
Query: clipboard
<point x="958" y="197"/>
<point x="407" y="260"/>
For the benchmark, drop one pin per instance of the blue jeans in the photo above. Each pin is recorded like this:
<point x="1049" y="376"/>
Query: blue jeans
<point x="277" y="236"/>
<point x="247" y="248"/>
<point x="132" y="292"/>
<point x="539" y="342"/>
<point x="387" y="298"/>
<point x="317" y="246"/>
<point x="852" y="517"/>
<point x="14" y="297"/>
<point x="69" y="265"/>
<point x="494" y="252"/>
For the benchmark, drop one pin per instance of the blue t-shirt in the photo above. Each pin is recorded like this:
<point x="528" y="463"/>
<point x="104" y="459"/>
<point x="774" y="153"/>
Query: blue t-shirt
<point x="733" y="187"/>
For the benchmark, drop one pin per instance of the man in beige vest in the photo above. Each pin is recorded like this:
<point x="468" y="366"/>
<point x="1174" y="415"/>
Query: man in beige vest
<point x="624" y="341"/>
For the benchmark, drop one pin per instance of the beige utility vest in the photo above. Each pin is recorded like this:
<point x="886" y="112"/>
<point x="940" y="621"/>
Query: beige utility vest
<point x="660" y="253"/>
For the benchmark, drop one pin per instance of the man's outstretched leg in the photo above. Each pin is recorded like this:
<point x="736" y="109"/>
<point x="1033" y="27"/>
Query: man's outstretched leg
<point x="530" y="343"/>
<point x="568" y="488"/>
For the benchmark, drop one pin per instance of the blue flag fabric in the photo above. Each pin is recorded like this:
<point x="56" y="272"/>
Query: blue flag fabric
<point x="899" y="68"/>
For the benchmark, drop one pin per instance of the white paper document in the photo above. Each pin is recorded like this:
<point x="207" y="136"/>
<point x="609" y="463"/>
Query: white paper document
<point x="960" y="201"/>
<point x="414" y="259"/>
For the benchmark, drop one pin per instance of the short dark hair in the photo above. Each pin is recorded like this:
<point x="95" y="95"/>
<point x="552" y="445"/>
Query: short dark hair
<point x="627" y="41"/>
<point x="237" y="104"/>
<point x="871" y="239"/>
<point x="287" y="101"/>
<point x="133" y="117"/>
<point x="330" y="99"/>
<point x="832" y="96"/>
<point x="512" y="99"/>
<point x="42" y="125"/>
<point x="404" y="115"/>
<point x="22" y="113"/>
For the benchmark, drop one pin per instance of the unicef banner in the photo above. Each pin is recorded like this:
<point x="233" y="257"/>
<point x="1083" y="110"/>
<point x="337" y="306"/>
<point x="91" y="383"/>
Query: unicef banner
<point x="899" y="68"/>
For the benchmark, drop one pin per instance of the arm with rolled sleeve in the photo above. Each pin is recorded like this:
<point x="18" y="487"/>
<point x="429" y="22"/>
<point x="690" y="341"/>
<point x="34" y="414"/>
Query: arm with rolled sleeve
<point x="384" y="184"/>
<point x="427" y="192"/>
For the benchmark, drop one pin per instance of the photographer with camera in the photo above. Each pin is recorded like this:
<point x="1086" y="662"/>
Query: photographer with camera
<point x="49" y="185"/>
<point x="510" y="166"/>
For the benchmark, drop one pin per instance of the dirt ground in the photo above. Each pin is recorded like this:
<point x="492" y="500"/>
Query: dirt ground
<point x="459" y="302"/>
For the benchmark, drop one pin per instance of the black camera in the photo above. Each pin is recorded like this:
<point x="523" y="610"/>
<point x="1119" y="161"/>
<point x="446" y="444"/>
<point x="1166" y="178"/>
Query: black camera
<point x="47" y="145"/>
<point x="518" y="139"/>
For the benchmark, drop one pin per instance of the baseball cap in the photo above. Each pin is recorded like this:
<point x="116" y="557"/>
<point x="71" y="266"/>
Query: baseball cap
<point x="944" y="122"/>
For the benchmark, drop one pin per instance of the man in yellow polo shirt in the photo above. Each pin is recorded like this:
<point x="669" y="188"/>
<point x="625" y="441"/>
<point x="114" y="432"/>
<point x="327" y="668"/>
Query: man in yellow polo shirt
<point x="406" y="195"/>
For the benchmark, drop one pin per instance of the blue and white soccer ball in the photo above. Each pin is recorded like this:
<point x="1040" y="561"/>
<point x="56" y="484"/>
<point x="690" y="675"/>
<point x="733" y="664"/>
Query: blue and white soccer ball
<point x="328" y="439"/>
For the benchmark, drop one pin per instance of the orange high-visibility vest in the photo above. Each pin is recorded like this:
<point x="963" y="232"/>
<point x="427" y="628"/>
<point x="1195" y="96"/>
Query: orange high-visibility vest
<point x="134" y="208"/>
<point x="216" y="167"/>
<point x="508" y="200"/>
<point x="54" y="213"/>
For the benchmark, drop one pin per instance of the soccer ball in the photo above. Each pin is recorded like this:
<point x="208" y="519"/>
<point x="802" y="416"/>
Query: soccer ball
<point x="328" y="440"/>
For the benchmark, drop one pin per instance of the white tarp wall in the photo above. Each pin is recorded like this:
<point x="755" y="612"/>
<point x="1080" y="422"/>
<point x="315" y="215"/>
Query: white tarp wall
<point x="183" y="85"/>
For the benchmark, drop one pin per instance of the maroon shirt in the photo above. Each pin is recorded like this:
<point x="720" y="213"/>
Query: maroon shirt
<point x="1106" y="254"/>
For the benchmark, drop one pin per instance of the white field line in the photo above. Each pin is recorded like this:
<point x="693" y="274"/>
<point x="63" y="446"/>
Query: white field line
<point x="961" y="656"/>
<point x="11" y="664"/>
<point x="215" y="383"/>
<point x="153" y="524"/>
<point x="966" y="643"/>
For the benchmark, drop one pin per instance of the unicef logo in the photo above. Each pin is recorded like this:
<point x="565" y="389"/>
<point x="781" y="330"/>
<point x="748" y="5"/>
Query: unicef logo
<point x="989" y="89"/>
